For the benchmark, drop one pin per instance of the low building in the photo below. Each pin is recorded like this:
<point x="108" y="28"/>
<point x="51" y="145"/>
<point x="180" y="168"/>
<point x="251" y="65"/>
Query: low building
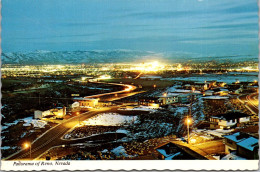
<point x="40" y="114"/>
<point x="90" y="102"/>
<point x="201" y="86"/>
<point x="58" y="112"/>
<point x="232" y="140"/>
<point x="228" y="120"/>
<point x="222" y="92"/>
<point x="169" y="98"/>
<point x="186" y="96"/>
<point x="171" y="151"/>
<point x="208" y="93"/>
<point x="104" y="103"/>
<point x="248" y="148"/>
<point x="75" y="105"/>
<point x="243" y="144"/>
<point x="150" y="101"/>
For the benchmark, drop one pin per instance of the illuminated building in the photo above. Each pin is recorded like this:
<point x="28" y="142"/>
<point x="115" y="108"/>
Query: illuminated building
<point x="91" y="102"/>
<point x="169" y="98"/>
<point x="58" y="112"/>
<point x="150" y="101"/>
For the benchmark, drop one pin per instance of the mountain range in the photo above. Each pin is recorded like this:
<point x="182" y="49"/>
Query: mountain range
<point x="106" y="56"/>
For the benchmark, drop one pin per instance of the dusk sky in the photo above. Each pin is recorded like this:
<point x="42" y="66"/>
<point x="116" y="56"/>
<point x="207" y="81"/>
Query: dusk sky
<point x="192" y="27"/>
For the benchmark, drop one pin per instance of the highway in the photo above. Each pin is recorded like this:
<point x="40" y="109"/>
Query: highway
<point x="251" y="101"/>
<point x="53" y="136"/>
<point x="128" y="89"/>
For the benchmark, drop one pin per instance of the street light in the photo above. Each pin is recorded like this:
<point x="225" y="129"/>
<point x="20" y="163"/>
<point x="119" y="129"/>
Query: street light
<point x="188" y="121"/>
<point x="79" y="118"/>
<point x="28" y="145"/>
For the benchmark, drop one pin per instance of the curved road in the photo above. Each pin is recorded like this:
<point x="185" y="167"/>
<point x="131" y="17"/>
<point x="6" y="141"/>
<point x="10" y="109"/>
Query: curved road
<point x="126" y="90"/>
<point x="53" y="136"/>
<point x="252" y="102"/>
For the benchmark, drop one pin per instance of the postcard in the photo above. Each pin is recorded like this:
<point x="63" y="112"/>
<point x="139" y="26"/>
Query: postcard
<point x="129" y="85"/>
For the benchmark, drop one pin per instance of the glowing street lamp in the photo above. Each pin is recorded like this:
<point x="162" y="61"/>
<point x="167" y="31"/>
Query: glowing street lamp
<point x="26" y="146"/>
<point x="188" y="122"/>
<point x="79" y="118"/>
<point x="164" y="94"/>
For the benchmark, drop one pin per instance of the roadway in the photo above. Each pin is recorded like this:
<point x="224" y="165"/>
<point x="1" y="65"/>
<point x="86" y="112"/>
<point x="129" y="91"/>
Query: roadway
<point x="251" y="101"/>
<point x="128" y="89"/>
<point x="53" y="136"/>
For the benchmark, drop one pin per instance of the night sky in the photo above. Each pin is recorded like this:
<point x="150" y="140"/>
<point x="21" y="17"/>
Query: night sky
<point x="191" y="27"/>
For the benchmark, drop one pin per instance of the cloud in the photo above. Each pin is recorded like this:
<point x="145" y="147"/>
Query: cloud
<point x="82" y="23"/>
<point x="232" y="26"/>
<point x="60" y="36"/>
<point x="249" y="6"/>
<point x="161" y="14"/>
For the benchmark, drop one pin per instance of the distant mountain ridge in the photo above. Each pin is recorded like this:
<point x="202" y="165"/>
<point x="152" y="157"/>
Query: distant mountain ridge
<point x="74" y="57"/>
<point x="104" y="56"/>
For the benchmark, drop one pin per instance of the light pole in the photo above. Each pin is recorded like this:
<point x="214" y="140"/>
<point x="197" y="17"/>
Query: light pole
<point x="79" y="118"/>
<point x="188" y="121"/>
<point x="28" y="145"/>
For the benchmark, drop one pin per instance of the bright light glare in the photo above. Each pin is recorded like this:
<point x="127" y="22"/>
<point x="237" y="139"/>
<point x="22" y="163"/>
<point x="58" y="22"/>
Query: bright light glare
<point x="105" y="77"/>
<point x="188" y="120"/>
<point x="26" y="145"/>
<point x="192" y="140"/>
<point x="83" y="78"/>
<point x="129" y="88"/>
<point x="179" y="67"/>
<point x="149" y="67"/>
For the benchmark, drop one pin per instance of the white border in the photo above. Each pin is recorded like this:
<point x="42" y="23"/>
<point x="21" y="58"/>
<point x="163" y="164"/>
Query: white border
<point x="135" y="165"/>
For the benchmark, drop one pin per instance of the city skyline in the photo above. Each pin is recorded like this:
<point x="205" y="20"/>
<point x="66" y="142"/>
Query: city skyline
<point x="195" y="28"/>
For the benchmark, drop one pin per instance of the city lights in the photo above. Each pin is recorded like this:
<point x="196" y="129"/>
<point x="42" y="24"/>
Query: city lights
<point x="158" y="87"/>
<point x="149" y="67"/>
<point x="179" y="67"/>
<point x="105" y="77"/>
